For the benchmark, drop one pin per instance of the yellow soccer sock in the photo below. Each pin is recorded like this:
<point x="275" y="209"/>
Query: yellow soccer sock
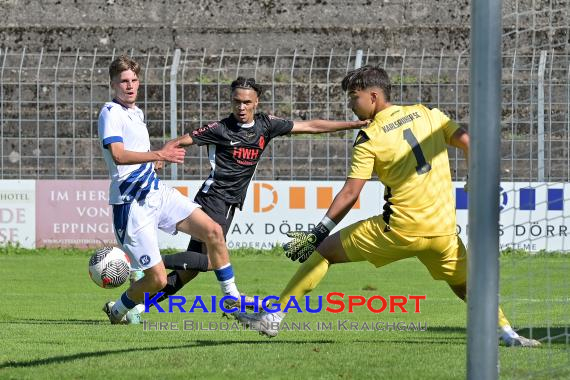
<point x="506" y="331"/>
<point x="503" y="321"/>
<point x="505" y="325"/>
<point x="461" y="291"/>
<point x="305" y="279"/>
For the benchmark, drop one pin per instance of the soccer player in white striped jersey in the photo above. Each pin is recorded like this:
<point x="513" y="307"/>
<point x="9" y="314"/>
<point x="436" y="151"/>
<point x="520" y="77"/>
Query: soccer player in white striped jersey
<point x="142" y="203"/>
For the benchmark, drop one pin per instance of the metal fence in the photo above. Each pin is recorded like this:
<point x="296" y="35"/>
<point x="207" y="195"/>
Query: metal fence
<point x="49" y="105"/>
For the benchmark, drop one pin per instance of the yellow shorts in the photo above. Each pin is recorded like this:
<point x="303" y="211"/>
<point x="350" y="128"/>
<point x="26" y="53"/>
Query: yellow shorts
<point x="444" y="256"/>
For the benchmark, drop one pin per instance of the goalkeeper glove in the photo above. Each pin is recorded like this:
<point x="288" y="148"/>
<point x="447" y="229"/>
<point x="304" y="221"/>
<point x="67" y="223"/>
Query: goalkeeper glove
<point x="304" y="243"/>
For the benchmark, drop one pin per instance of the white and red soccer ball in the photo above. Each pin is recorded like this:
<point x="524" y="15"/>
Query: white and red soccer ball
<point x="109" y="267"/>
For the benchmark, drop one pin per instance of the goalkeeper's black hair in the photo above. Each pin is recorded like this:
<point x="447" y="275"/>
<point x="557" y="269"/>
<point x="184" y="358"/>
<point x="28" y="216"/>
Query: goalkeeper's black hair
<point x="247" y="83"/>
<point x="366" y="77"/>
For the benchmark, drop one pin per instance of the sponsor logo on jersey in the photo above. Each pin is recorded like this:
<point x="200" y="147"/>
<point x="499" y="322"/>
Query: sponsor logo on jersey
<point x="246" y="156"/>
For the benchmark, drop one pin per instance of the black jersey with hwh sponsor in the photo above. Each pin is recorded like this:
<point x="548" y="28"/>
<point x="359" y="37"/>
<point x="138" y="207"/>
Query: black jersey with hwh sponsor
<point x="234" y="152"/>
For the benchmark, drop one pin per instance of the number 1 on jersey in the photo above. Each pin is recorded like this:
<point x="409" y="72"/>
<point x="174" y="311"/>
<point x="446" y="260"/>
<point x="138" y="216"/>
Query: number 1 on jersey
<point x="423" y="166"/>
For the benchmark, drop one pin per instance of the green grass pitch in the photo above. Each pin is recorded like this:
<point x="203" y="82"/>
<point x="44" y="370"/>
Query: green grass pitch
<point x="52" y="326"/>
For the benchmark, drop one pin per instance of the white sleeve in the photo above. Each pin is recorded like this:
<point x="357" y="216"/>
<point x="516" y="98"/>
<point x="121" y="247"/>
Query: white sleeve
<point x="110" y="126"/>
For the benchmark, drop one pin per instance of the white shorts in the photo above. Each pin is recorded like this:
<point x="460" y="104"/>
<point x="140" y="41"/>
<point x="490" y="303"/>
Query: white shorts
<point x="137" y="223"/>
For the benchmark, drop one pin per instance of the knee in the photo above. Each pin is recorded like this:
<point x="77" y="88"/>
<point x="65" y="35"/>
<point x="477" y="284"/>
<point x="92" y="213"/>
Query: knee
<point x="156" y="281"/>
<point x="460" y="290"/>
<point x="214" y="234"/>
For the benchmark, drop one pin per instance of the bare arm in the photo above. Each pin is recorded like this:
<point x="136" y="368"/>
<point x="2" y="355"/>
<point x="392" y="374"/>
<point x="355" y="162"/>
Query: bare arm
<point x="345" y="199"/>
<point x="460" y="140"/>
<point x="172" y="151"/>
<point x="185" y="140"/>
<point x="322" y="126"/>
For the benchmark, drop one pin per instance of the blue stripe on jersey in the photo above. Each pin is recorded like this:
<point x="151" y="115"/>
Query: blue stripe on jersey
<point x="142" y="193"/>
<point x="111" y="139"/>
<point x="133" y="191"/>
<point x="132" y="178"/>
<point x="134" y="182"/>
<point x="120" y="218"/>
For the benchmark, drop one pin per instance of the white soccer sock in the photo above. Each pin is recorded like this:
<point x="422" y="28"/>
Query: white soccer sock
<point x="230" y="287"/>
<point x="122" y="306"/>
<point x="119" y="309"/>
<point x="225" y="276"/>
<point x="508" y="333"/>
<point x="140" y="308"/>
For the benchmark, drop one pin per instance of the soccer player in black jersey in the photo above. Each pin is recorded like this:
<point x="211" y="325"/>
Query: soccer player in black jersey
<point x="235" y="145"/>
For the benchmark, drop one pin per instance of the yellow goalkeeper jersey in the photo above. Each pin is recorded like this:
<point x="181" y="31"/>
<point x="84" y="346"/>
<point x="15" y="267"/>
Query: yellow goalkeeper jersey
<point x="407" y="148"/>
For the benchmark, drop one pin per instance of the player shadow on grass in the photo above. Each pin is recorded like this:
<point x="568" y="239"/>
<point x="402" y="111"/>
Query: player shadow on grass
<point x="197" y="344"/>
<point x="43" y="321"/>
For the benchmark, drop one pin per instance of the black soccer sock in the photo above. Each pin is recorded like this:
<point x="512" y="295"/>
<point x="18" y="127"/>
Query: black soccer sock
<point x="186" y="261"/>
<point x="173" y="285"/>
<point x="196" y="246"/>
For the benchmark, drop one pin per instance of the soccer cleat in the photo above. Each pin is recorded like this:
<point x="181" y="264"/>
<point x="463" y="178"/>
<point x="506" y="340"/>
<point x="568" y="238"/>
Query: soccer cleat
<point x="265" y="323"/>
<point x="107" y="308"/>
<point x="133" y="317"/>
<point x="249" y="300"/>
<point x="229" y="304"/>
<point x="520" y="341"/>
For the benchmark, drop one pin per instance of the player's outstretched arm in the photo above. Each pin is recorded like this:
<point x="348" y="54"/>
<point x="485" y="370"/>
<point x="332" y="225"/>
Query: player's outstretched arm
<point x="460" y="140"/>
<point x="324" y="126"/>
<point x="184" y="140"/>
<point x="303" y="243"/>
<point x="171" y="152"/>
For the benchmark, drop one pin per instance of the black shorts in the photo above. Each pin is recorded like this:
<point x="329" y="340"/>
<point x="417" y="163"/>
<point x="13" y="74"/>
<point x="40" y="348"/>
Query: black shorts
<point x="217" y="209"/>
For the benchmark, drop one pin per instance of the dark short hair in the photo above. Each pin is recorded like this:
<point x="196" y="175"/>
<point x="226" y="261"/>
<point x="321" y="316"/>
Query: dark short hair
<point x="247" y="83"/>
<point x="366" y="77"/>
<point x="123" y="63"/>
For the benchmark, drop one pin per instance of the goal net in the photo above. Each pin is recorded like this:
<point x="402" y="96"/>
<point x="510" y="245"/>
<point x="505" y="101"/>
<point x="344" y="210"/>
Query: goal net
<point x="535" y="193"/>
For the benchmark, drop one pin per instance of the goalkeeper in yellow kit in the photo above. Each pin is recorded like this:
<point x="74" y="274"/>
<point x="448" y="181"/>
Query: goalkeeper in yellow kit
<point x="406" y="146"/>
